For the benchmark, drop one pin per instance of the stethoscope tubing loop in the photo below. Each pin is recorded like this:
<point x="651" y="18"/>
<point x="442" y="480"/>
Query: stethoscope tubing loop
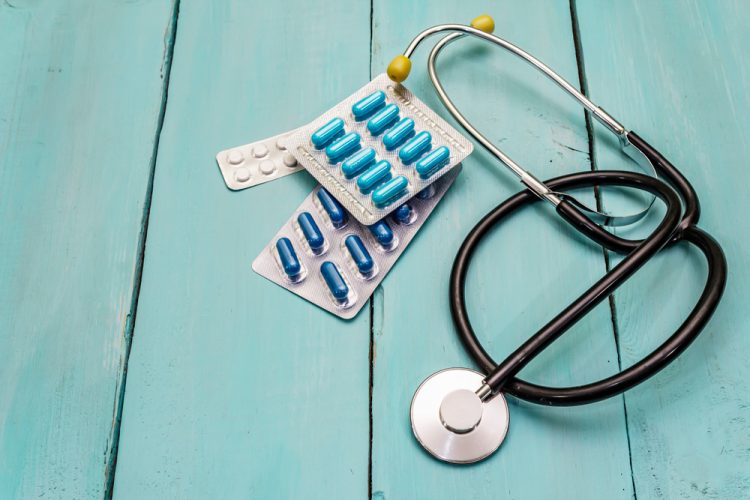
<point x="502" y="376"/>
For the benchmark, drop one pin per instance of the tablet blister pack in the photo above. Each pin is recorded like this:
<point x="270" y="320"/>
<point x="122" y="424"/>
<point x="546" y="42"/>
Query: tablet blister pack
<point x="258" y="162"/>
<point x="377" y="148"/>
<point x="325" y="256"/>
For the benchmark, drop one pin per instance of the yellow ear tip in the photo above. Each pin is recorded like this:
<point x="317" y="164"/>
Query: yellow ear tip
<point x="484" y="23"/>
<point x="399" y="68"/>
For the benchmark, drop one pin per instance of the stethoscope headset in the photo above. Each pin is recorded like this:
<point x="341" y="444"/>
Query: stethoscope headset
<point x="460" y="415"/>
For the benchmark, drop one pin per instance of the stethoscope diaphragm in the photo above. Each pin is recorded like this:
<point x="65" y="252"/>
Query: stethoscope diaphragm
<point x="451" y="421"/>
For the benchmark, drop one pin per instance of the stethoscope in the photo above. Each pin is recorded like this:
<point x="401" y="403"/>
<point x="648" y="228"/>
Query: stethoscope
<point x="460" y="415"/>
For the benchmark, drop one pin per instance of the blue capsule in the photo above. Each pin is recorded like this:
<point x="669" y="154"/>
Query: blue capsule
<point x="327" y="133"/>
<point x="403" y="214"/>
<point x="368" y="105"/>
<point x="387" y="193"/>
<point x="359" y="253"/>
<point x="427" y="192"/>
<point x="343" y="147"/>
<point x="413" y="149"/>
<point x="433" y="162"/>
<point x="383" y="119"/>
<point x="355" y="165"/>
<point x="382" y="232"/>
<point x="311" y="231"/>
<point x="375" y="175"/>
<point x="335" y="281"/>
<point x="398" y="134"/>
<point x="288" y="257"/>
<point x="332" y="207"/>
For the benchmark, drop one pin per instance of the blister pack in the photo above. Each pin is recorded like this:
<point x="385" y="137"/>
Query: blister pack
<point x="326" y="256"/>
<point x="377" y="148"/>
<point x="258" y="162"/>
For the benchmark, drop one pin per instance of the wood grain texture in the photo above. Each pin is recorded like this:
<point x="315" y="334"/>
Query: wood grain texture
<point x="239" y="389"/>
<point x="526" y="270"/>
<point x="677" y="72"/>
<point x="236" y="387"/>
<point x="80" y="97"/>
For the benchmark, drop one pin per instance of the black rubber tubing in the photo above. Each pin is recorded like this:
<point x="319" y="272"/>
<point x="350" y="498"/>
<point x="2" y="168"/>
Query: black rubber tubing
<point x="671" y="229"/>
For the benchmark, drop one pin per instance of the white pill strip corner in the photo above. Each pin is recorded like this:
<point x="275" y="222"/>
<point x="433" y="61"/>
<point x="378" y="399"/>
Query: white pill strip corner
<point x="256" y="163"/>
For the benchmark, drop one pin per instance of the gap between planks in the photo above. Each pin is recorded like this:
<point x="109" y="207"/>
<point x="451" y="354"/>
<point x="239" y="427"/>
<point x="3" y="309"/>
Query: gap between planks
<point x="170" y="36"/>
<point x="580" y="63"/>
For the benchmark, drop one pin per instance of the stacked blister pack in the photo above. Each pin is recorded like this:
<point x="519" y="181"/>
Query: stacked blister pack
<point x="384" y="160"/>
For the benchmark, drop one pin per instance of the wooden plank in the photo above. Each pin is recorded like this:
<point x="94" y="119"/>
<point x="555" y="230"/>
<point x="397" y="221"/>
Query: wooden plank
<point x="682" y="85"/>
<point x="80" y="98"/>
<point x="526" y="271"/>
<point x="238" y="388"/>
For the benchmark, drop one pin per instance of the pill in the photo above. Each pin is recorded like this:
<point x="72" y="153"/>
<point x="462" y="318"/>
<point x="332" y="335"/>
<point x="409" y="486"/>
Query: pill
<point x="398" y="134"/>
<point x="327" y="133"/>
<point x="403" y="214"/>
<point x="279" y="144"/>
<point x="311" y="231"/>
<point x="382" y="232"/>
<point x="242" y="175"/>
<point x="358" y="163"/>
<point x="334" y="280"/>
<point x="387" y="193"/>
<point x="288" y="257"/>
<point x="368" y="105"/>
<point x="332" y="207"/>
<point x="267" y="167"/>
<point x="420" y="143"/>
<point x="359" y="253"/>
<point x="260" y="151"/>
<point x="427" y="192"/>
<point x="343" y="147"/>
<point x="289" y="160"/>
<point x="374" y="176"/>
<point x="433" y="162"/>
<point x="383" y="119"/>
<point x="235" y="157"/>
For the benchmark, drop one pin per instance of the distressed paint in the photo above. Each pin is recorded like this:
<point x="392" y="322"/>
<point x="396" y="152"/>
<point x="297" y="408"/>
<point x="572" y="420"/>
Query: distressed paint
<point x="237" y="388"/>
<point x="683" y="86"/>
<point x="80" y="98"/>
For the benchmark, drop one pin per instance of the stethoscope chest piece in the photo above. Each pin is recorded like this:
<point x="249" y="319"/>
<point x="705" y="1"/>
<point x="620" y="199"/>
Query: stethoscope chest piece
<point x="450" y="420"/>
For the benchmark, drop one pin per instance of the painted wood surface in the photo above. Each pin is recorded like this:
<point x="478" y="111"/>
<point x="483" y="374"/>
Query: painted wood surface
<point x="678" y="73"/>
<point x="236" y="388"/>
<point x="80" y="98"/>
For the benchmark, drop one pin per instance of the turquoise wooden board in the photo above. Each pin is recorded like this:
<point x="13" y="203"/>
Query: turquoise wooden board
<point x="527" y="269"/>
<point x="236" y="387"/>
<point x="80" y="97"/>
<point x="682" y="85"/>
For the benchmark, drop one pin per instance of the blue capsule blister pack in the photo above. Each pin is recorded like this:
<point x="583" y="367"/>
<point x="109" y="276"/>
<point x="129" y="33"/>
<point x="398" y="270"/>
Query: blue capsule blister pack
<point x="377" y="148"/>
<point x="326" y="256"/>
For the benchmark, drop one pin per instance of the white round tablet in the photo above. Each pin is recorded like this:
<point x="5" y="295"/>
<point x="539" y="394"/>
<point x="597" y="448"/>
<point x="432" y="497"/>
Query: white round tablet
<point x="267" y="167"/>
<point x="290" y="160"/>
<point x="242" y="175"/>
<point x="235" y="157"/>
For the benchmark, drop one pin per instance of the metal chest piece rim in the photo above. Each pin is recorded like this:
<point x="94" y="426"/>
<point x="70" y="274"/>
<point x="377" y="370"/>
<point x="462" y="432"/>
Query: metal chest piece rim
<point x="452" y="423"/>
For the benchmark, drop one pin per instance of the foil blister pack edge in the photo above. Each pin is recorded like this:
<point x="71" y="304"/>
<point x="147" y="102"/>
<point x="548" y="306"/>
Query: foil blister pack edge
<point x="257" y="163"/>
